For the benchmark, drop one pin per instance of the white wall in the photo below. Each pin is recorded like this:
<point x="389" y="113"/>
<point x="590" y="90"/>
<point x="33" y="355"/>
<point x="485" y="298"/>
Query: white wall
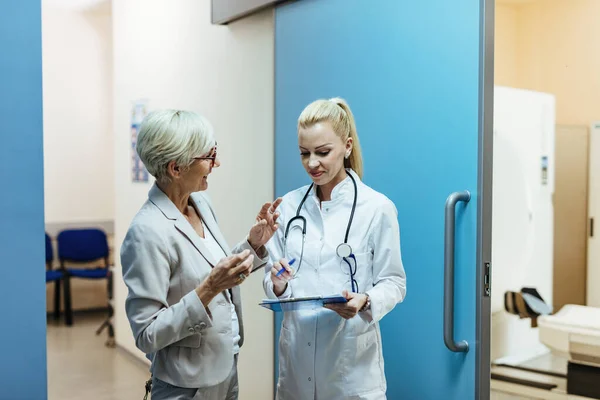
<point x="78" y="141"/>
<point x="522" y="220"/>
<point x="170" y="54"/>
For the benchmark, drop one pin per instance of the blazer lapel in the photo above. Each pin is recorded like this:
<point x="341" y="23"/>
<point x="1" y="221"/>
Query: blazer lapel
<point x="206" y="213"/>
<point x="160" y="199"/>
<point x="188" y="231"/>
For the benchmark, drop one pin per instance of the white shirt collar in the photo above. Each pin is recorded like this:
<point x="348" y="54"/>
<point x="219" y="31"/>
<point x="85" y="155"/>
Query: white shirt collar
<point x="341" y="190"/>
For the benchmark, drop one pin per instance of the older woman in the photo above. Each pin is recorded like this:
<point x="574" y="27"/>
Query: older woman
<point x="184" y="303"/>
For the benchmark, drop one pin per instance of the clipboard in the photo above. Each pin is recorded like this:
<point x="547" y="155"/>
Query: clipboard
<point x="301" y="303"/>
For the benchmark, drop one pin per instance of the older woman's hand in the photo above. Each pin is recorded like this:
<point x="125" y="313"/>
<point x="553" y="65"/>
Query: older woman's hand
<point x="229" y="272"/>
<point x="265" y="226"/>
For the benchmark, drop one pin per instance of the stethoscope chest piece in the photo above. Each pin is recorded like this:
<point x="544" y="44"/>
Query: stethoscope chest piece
<point x="344" y="250"/>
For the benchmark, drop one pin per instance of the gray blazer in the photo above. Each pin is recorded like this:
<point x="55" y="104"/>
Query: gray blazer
<point x="163" y="262"/>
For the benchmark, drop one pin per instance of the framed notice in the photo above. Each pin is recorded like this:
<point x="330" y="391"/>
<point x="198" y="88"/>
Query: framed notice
<point x="139" y="110"/>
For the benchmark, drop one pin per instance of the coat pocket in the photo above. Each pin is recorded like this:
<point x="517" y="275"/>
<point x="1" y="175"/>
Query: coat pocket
<point x="363" y="362"/>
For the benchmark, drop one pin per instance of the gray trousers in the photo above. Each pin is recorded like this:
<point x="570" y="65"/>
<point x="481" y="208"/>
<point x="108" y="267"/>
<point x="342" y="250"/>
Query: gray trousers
<point x="226" y="390"/>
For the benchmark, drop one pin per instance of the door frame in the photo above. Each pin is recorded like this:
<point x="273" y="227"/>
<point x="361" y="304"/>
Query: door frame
<point x="592" y="269"/>
<point x="484" y="199"/>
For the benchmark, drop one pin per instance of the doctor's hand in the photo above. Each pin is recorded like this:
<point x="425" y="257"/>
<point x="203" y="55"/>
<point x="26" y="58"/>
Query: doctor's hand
<point x="229" y="272"/>
<point x="348" y="310"/>
<point x="280" y="282"/>
<point x="265" y="225"/>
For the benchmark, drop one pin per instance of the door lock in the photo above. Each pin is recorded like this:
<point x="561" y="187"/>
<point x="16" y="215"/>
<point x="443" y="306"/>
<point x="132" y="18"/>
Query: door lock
<point x="486" y="280"/>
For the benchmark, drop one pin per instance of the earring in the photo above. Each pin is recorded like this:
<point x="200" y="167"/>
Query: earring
<point x="347" y="155"/>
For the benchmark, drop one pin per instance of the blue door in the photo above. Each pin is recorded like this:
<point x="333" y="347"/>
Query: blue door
<point x="418" y="78"/>
<point x="23" y="294"/>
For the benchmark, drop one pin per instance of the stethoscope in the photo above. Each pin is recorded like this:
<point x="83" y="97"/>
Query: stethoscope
<point x="344" y="250"/>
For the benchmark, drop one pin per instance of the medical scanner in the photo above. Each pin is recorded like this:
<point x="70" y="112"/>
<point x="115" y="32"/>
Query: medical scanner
<point x="537" y="352"/>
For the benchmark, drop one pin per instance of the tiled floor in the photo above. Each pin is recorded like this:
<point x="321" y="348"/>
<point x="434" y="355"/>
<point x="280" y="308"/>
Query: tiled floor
<point x="80" y="366"/>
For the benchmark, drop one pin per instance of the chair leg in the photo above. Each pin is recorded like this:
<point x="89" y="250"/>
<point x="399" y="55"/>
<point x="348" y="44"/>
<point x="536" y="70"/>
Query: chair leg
<point x="110" y="342"/>
<point x="57" y="300"/>
<point x="67" y="296"/>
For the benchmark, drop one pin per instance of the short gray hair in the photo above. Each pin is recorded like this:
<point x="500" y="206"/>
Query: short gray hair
<point x="172" y="135"/>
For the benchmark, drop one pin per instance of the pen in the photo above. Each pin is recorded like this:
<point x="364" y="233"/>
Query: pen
<point x="292" y="261"/>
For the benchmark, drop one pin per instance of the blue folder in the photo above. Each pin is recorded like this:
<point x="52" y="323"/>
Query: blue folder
<point x="301" y="303"/>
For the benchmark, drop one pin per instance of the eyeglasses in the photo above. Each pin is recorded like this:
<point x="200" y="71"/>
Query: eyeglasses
<point x="212" y="157"/>
<point x="349" y="266"/>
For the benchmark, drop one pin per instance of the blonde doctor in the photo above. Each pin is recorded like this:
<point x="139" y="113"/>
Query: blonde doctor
<point x="344" y="238"/>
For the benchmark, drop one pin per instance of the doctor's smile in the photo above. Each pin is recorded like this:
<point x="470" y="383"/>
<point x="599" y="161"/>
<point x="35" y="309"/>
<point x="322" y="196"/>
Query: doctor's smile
<point x="316" y="174"/>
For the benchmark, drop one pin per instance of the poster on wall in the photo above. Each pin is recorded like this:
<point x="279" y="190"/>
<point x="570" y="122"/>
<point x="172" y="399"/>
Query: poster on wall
<point x="139" y="110"/>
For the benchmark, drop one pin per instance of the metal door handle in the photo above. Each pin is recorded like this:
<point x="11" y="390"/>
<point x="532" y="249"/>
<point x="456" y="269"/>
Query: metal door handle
<point x="450" y="209"/>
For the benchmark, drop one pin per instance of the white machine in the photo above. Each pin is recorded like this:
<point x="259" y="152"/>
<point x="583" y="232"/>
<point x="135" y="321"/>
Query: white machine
<point x="522" y="212"/>
<point x="571" y="368"/>
<point x="573" y="333"/>
<point x="560" y="356"/>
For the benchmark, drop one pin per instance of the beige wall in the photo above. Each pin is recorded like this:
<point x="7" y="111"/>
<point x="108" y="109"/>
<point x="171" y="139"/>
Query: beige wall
<point x="78" y="141"/>
<point x="552" y="46"/>
<point x="169" y="53"/>
<point x="505" y="52"/>
<point x="561" y="55"/>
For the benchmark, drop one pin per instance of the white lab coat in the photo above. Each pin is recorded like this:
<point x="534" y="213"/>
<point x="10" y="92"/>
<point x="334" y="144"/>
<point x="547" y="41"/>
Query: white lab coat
<point x="321" y="355"/>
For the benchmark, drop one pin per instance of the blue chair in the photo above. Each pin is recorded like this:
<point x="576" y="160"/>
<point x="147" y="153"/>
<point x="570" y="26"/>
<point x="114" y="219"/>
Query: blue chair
<point x="82" y="246"/>
<point x="53" y="275"/>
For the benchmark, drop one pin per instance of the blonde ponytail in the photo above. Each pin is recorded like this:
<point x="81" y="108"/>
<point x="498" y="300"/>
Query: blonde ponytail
<point x="355" y="161"/>
<point x="337" y="112"/>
